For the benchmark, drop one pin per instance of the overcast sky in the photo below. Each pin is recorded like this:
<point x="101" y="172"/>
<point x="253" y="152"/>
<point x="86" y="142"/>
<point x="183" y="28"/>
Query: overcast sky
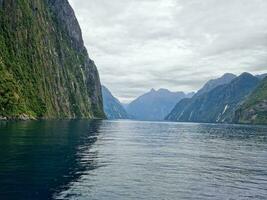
<point x="175" y="44"/>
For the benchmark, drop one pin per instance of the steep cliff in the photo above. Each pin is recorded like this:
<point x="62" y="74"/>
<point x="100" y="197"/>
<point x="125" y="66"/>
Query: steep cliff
<point x="45" y="69"/>
<point x="254" y="108"/>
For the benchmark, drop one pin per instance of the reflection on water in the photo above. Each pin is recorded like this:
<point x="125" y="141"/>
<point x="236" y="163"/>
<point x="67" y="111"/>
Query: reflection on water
<point x="132" y="160"/>
<point x="38" y="158"/>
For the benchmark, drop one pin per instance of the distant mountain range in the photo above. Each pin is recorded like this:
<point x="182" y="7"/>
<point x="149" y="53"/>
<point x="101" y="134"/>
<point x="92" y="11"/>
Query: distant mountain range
<point x="155" y="105"/>
<point x="112" y="106"/>
<point x="227" y="99"/>
<point x="218" y="105"/>
<point x="261" y="76"/>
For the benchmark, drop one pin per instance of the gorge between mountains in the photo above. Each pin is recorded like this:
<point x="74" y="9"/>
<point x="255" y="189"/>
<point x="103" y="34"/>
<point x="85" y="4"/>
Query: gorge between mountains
<point x="73" y="129"/>
<point x="46" y="73"/>
<point x="227" y="99"/>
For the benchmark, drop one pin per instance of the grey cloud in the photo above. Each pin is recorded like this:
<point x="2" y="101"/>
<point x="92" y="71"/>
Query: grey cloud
<point x="176" y="44"/>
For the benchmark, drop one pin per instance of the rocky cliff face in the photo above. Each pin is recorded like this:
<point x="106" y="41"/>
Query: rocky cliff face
<point x="45" y="69"/>
<point x="66" y="17"/>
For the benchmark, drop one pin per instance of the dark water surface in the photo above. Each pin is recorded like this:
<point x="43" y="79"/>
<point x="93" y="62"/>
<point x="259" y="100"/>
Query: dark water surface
<point x="132" y="160"/>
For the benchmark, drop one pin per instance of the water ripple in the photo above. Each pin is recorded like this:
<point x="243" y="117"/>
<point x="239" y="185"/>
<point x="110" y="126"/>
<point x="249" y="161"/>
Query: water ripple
<point x="132" y="160"/>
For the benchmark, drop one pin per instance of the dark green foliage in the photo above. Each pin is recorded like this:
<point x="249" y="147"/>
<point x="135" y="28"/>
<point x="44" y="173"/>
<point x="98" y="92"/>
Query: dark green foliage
<point x="254" y="109"/>
<point x="43" y="75"/>
<point x="9" y="93"/>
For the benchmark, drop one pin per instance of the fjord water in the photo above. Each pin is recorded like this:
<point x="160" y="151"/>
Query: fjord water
<point x="132" y="160"/>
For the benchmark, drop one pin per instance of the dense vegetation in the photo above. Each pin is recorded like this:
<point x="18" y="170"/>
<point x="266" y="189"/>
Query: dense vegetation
<point x="45" y="69"/>
<point x="254" y="109"/>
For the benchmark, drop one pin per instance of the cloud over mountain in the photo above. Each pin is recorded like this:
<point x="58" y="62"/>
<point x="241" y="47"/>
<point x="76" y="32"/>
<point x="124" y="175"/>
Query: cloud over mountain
<point x="175" y="44"/>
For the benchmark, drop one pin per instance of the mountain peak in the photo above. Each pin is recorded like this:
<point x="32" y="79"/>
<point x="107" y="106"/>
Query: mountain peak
<point x="163" y="91"/>
<point x="112" y="106"/>
<point x="154" y="105"/>
<point x="245" y="74"/>
<point x="213" y="83"/>
<point x="247" y="77"/>
<point x="226" y="75"/>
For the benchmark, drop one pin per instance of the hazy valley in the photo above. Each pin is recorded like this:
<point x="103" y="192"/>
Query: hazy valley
<point x="227" y="99"/>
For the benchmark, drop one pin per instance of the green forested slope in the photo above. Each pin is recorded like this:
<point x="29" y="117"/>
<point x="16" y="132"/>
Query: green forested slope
<point x="45" y="71"/>
<point x="254" y="109"/>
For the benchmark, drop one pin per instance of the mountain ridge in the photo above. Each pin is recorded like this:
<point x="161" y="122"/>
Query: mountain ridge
<point x="213" y="83"/>
<point x="112" y="106"/>
<point x="155" y="104"/>
<point x="216" y="106"/>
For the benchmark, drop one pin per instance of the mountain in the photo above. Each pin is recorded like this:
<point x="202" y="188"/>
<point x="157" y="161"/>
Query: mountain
<point x="261" y="76"/>
<point x="112" y="106"/>
<point x="211" y="84"/>
<point x="155" y="105"/>
<point x="218" y="105"/>
<point x="254" y="108"/>
<point x="45" y="69"/>
<point x="124" y="105"/>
